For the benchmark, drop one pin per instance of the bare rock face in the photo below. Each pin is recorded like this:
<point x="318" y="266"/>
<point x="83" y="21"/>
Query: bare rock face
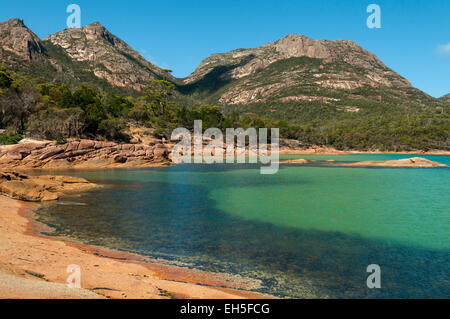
<point x="83" y="154"/>
<point x="256" y="95"/>
<point x="409" y="162"/>
<point x="40" y="188"/>
<point x="109" y="57"/>
<point x="17" y="39"/>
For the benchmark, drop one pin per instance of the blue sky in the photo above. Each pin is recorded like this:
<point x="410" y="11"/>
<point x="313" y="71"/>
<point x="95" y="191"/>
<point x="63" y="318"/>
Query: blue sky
<point x="414" y="39"/>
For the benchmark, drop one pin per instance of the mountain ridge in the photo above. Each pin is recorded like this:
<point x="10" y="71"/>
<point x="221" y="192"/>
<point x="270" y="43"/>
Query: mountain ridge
<point x="17" y="39"/>
<point x="109" y="56"/>
<point x="87" y="54"/>
<point x="293" y="45"/>
<point x="340" y="64"/>
<point x="85" y="45"/>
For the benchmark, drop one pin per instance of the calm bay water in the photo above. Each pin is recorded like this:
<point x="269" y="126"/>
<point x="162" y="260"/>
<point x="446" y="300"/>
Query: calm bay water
<point x="308" y="231"/>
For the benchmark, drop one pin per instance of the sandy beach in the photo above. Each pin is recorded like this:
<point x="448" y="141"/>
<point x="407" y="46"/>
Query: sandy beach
<point x="35" y="266"/>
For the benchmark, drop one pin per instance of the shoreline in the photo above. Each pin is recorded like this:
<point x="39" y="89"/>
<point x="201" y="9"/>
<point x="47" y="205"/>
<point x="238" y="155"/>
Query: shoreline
<point x="336" y="152"/>
<point x="35" y="266"/>
<point x="26" y="169"/>
<point x="94" y="155"/>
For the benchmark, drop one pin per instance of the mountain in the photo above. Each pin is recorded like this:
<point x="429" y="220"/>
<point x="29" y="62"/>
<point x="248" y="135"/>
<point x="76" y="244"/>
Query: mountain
<point x="243" y="62"/>
<point x="291" y="76"/>
<point x="107" y="56"/>
<point x="277" y="79"/>
<point x="322" y="92"/>
<point x="18" y="43"/>
<point x="89" y="54"/>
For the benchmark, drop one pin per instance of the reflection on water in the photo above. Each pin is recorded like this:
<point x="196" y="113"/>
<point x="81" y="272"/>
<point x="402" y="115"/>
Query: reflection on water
<point x="193" y="214"/>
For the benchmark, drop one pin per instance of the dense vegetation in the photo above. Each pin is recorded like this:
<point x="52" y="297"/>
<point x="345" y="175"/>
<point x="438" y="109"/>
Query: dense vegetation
<point x="362" y="118"/>
<point x="382" y="127"/>
<point x="52" y="110"/>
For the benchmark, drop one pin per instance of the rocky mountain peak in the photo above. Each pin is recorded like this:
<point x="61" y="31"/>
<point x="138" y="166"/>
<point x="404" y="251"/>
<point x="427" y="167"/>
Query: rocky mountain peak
<point x="15" y="22"/>
<point x="446" y="98"/>
<point x="95" y="24"/>
<point x="97" y="29"/>
<point x="89" y="37"/>
<point x="241" y="63"/>
<point x="295" y="45"/>
<point x="17" y="39"/>
<point x="109" y="57"/>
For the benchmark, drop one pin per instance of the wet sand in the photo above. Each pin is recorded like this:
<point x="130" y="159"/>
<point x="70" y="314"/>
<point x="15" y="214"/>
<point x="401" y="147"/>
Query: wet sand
<point x="35" y="266"/>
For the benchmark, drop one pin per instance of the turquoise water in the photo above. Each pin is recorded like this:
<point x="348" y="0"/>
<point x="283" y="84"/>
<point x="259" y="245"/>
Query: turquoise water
<point x="308" y="231"/>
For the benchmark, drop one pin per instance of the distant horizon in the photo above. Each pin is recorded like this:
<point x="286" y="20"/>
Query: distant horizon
<point x="153" y="30"/>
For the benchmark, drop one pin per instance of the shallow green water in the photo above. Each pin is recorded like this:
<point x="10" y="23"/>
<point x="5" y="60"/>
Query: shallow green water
<point x="310" y="230"/>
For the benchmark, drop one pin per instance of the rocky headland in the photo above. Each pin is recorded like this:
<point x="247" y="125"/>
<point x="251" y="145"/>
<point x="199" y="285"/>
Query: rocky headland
<point x="40" y="188"/>
<point x="75" y="154"/>
<point x="82" y="154"/>
<point x="297" y="161"/>
<point x="407" y="162"/>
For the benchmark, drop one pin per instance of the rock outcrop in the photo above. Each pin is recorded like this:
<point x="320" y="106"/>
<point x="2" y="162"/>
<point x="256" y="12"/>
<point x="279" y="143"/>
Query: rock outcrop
<point x="297" y="161"/>
<point x="83" y="154"/>
<point x="18" y="40"/>
<point x="409" y="162"/>
<point x="294" y="147"/>
<point x="40" y="188"/>
<point x="108" y="57"/>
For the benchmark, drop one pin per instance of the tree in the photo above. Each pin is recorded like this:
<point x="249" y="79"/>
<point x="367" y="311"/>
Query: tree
<point x="159" y="98"/>
<point x="17" y="102"/>
<point x="89" y="99"/>
<point x="57" y="123"/>
<point x="6" y="79"/>
<point x="56" y="95"/>
<point x="211" y="115"/>
<point x="118" y="106"/>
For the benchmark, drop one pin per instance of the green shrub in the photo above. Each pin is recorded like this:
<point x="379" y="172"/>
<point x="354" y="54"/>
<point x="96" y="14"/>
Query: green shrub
<point x="10" y="140"/>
